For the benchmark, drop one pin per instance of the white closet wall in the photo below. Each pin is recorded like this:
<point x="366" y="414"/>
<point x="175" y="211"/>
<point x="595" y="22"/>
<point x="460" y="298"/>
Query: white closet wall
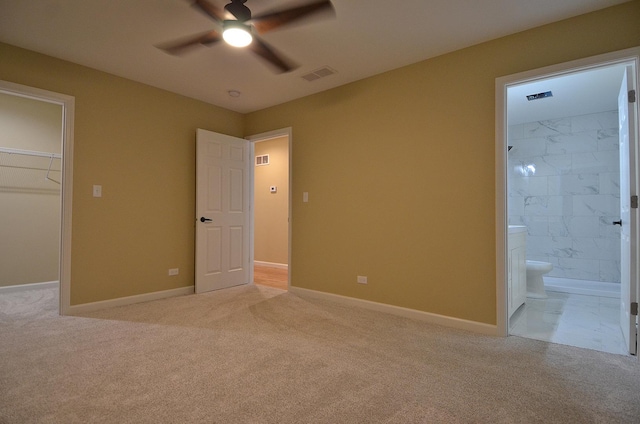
<point x="30" y="163"/>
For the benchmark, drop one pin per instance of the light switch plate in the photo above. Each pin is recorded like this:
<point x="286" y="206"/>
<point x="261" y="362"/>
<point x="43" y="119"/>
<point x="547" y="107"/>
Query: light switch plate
<point x="97" y="191"/>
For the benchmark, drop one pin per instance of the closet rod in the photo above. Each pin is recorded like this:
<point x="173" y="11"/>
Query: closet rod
<point x="29" y="153"/>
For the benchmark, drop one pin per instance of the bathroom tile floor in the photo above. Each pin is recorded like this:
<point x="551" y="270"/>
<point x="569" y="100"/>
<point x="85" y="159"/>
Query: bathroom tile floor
<point x="590" y="322"/>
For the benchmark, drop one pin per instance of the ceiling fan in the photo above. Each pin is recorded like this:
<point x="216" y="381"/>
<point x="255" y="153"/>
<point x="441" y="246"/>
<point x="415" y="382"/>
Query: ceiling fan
<point x="244" y="29"/>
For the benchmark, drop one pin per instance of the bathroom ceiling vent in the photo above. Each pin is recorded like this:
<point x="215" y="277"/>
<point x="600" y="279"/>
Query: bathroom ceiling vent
<point x="539" y="95"/>
<point x="319" y="73"/>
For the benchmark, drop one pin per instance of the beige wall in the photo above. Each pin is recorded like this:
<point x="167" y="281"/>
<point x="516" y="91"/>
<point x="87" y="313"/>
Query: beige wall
<point x="400" y="170"/>
<point x="29" y="204"/>
<point x="138" y="142"/>
<point x="271" y="210"/>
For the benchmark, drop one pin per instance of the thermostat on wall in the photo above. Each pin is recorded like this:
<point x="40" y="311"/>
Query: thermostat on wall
<point x="273" y="189"/>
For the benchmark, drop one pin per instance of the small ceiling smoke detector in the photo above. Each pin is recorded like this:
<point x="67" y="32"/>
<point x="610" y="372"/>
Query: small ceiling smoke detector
<point x="539" y="95"/>
<point x="319" y="73"/>
<point x="234" y="93"/>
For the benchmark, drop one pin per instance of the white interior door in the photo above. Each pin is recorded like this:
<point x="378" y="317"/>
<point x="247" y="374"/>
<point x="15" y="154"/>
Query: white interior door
<point x="628" y="215"/>
<point x="222" y="211"/>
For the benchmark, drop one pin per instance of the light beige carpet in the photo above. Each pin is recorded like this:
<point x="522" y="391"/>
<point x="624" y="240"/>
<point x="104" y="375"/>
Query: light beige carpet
<point x="260" y="355"/>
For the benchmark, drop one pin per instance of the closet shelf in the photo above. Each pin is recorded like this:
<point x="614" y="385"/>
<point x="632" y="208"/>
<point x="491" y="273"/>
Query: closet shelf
<point x="29" y="153"/>
<point x="29" y="170"/>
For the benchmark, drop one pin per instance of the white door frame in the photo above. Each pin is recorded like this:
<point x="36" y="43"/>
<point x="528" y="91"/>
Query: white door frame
<point x="68" y="113"/>
<point x="618" y="57"/>
<point x="283" y="132"/>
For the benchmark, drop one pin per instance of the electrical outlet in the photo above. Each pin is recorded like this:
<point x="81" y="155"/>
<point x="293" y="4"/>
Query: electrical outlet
<point x="174" y="271"/>
<point x="362" y="279"/>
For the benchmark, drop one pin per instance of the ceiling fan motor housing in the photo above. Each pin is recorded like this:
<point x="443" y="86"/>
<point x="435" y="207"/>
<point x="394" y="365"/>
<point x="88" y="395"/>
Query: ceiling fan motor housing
<point x="239" y="10"/>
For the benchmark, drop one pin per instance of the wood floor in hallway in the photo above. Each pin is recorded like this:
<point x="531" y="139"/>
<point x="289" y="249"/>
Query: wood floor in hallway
<point x="269" y="276"/>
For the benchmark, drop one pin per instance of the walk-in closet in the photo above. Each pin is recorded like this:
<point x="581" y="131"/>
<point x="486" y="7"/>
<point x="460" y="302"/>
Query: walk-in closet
<point x="30" y="188"/>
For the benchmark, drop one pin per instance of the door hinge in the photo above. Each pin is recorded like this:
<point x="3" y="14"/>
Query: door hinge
<point x="632" y="96"/>
<point x="634" y="308"/>
<point x="634" y="202"/>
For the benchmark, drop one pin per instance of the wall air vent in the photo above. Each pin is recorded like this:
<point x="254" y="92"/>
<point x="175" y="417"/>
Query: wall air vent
<point x="539" y="95"/>
<point x="262" y="160"/>
<point x="319" y="73"/>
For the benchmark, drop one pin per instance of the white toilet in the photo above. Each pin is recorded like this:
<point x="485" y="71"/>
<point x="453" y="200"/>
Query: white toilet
<point x="535" y="283"/>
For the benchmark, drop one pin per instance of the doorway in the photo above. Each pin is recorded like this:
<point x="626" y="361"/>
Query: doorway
<point x="271" y="212"/>
<point x="56" y="177"/>
<point x="560" y="182"/>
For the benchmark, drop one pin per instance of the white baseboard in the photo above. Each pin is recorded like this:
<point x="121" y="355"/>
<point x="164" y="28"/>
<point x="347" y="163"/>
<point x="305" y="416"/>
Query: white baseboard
<point x="461" y="324"/>
<point x="271" y="264"/>
<point x="129" y="300"/>
<point x="30" y="286"/>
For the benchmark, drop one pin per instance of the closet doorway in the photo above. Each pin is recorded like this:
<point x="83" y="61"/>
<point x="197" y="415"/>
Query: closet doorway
<point x="35" y="213"/>
<point x="271" y="211"/>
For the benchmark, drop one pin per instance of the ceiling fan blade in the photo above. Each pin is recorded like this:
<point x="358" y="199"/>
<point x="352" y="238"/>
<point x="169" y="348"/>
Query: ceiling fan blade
<point x="270" y="21"/>
<point x="181" y="46"/>
<point x="210" y="10"/>
<point x="275" y="60"/>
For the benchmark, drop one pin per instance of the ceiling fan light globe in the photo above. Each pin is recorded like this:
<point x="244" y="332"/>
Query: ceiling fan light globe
<point x="237" y="37"/>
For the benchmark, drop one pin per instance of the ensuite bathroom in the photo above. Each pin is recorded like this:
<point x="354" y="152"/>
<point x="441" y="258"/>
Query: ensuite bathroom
<point x="563" y="195"/>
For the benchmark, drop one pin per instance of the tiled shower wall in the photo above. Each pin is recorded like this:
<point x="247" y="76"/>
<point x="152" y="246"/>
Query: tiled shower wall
<point x="563" y="185"/>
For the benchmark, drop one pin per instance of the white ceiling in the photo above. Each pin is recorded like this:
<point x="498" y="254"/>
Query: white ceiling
<point x="367" y="37"/>
<point x="578" y="93"/>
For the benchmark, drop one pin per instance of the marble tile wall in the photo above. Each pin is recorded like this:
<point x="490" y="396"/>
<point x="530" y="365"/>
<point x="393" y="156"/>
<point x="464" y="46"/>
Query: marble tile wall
<point x="563" y="184"/>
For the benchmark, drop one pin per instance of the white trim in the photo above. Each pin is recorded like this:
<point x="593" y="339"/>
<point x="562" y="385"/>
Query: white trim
<point x="29" y="286"/>
<point x="129" y="300"/>
<point x="283" y="132"/>
<point x="68" y="116"/>
<point x="501" y="209"/>
<point x="271" y="264"/>
<point x="618" y="57"/>
<point x="461" y="324"/>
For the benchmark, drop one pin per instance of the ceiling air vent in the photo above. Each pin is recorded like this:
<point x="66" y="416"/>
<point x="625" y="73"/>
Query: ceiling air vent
<point x="539" y="95"/>
<point x="319" y="73"/>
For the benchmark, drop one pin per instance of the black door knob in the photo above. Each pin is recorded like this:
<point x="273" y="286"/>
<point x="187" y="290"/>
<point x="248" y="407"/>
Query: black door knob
<point x="203" y="219"/>
<point x="617" y="223"/>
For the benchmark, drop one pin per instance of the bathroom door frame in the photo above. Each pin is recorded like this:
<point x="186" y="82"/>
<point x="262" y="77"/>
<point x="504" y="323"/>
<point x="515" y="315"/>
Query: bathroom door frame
<point x="627" y="56"/>
<point x="68" y="112"/>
